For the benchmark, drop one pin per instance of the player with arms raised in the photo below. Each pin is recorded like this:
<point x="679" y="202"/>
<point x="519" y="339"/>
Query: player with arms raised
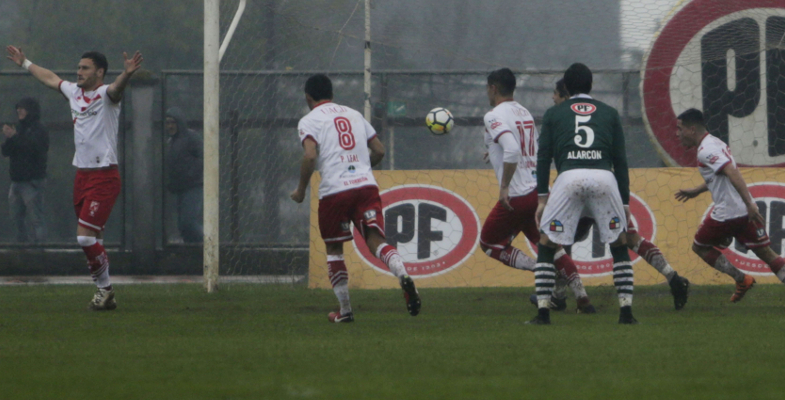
<point x="340" y="138"/>
<point x="511" y="139"/>
<point x="734" y="214"/>
<point x="95" y="109"/>
<point x="585" y="138"/>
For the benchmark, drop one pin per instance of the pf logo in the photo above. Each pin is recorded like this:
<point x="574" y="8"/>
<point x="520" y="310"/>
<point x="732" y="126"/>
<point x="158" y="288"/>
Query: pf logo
<point x="726" y="58"/>
<point x="770" y="198"/>
<point x="593" y="258"/>
<point x="434" y="229"/>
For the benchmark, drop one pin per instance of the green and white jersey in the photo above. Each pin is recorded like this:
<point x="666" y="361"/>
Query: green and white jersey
<point x="582" y="133"/>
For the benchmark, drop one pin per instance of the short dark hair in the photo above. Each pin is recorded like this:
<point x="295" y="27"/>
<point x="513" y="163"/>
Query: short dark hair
<point x="561" y="89"/>
<point x="319" y="87"/>
<point x="504" y="80"/>
<point x="98" y="59"/>
<point x="578" y="79"/>
<point x="692" y="117"/>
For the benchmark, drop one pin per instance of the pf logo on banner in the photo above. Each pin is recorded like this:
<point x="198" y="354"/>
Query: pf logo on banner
<point x="770" y="198"/>
<point x="726" y="58"/>
<point x="434" y="229"/>
<point x="593" y="257"/>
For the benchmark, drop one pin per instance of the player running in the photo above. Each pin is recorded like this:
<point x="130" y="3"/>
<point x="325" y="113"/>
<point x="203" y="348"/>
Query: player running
<point x="585" y="138"/>
<point x="511" y="139"/>
<point x="340" y="138"/>
<point x="680" y="286"/>
<point x="734" y="214"/>
<point x="95" y="109"/>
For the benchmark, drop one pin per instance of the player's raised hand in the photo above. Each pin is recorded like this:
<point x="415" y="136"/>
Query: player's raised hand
<point x="298" y="195"/>
<point x="15" y="54"/>
<point x="132" y="64"/>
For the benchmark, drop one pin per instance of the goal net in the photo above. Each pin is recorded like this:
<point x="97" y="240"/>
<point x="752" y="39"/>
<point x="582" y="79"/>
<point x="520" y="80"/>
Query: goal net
<point x="652" y="59"/>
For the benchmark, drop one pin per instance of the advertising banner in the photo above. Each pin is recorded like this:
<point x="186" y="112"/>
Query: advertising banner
<point x="434" y="218"/>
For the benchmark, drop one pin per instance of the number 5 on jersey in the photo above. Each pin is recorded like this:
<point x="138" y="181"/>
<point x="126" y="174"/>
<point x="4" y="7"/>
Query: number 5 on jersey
<point x="589" y="131"/>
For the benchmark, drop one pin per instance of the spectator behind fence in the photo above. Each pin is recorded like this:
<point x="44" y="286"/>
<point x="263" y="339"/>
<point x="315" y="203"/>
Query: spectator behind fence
<point x="184" y="162"/>
<point x="27" y="144"/>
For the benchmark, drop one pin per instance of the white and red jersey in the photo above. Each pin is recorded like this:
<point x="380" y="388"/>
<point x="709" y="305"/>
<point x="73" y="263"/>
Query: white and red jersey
<point x="341" y="135"/>
<point x="713" y="156"/>
<point x="96" y="121"/>
<point x="512" y="118"/>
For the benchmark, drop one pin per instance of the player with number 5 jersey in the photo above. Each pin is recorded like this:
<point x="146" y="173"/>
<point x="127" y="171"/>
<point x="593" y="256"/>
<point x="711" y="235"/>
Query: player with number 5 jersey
<point x="585" y="138"/>
<point x="344" y="147"/>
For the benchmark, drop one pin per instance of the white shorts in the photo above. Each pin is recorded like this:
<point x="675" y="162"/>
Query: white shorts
<point x="584" y="192"/>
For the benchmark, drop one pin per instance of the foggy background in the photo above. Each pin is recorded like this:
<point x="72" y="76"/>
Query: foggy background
<point x="425" y="54"/>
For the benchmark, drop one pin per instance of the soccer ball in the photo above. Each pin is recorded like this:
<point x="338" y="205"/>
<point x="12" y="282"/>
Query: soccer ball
<point x="439" y="121"/>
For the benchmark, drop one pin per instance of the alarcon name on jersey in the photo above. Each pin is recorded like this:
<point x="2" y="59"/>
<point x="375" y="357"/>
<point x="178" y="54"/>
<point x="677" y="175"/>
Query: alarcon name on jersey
<point x="584" y="155"/>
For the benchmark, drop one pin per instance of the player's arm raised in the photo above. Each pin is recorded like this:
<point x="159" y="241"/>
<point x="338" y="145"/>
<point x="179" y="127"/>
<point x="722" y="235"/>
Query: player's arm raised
<point x="377" y="151"/>
<point x="47" y="77"/>
<point x="740" y="185"/>
<point x="115" y="90"/>
<point x="307" y="167"/>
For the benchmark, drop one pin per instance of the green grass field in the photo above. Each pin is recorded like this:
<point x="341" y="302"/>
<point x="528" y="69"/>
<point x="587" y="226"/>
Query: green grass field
<point x="274" y="342"/>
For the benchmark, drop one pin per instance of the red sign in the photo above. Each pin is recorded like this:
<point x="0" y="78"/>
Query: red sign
<point x="434" y="229"/>
<point x="700" y="60"/>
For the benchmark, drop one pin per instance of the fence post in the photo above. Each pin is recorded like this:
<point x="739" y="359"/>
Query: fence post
<point x="142" y="172"/>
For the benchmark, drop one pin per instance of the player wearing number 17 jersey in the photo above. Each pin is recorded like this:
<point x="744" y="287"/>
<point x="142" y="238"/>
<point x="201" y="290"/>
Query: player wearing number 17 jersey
<point x="345" y="146"/>
<point x="585" y="138"/>
<point x="511" y="139"/>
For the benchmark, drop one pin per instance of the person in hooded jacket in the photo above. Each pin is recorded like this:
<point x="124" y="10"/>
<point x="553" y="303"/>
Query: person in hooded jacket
<point x="26" y="145"/>
<point x="184" y="166"/>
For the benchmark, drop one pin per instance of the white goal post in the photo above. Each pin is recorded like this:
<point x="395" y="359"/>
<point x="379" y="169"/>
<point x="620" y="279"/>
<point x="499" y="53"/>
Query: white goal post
<point x="212" y="59"/>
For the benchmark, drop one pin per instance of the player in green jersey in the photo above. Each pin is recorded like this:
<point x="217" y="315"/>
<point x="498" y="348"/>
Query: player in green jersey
<point x="585" y="138"/>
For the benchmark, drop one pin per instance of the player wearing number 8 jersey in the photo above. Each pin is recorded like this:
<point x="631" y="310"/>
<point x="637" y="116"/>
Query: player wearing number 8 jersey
<point x="585" y="138"/>
<point x="344" y="147"/>
<point x="511" y="139"/>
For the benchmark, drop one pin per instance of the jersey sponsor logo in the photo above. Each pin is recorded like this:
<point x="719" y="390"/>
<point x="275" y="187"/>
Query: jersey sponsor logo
<point x="713" y="158"/>
<point x="370" y="216"/>
<point x="346" y="226"/>
<point x="93" y="208"/>
<point x="722" y="57"/>
<point x="556" y="226"/>
<point x="770" y="198"/>
<point x="593" y="258"/>
<point x="434" y="229"/>
<point x="584" y="155"/>
<point x="583" y="108"/>
<point x="496" y="125"/>
<point x="615" y="223"/>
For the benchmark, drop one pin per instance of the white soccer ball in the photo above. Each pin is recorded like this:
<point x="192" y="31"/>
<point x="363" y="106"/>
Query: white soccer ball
<point x="439" y="121"/>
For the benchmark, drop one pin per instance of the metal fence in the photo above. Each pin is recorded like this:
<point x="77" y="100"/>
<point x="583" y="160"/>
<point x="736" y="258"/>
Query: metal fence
<point x="260" y="153"/>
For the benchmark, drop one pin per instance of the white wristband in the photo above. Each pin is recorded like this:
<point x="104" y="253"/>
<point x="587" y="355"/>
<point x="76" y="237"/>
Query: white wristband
<point x="26" y="64"/>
